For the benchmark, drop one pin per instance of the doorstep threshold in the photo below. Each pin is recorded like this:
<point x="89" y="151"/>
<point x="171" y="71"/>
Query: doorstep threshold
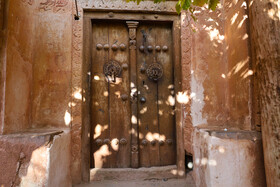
<point x="132" y="174"/>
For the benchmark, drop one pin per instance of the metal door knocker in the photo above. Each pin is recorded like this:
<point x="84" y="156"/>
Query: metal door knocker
<point x="112" y="69"/>
<point x="154" y="71"/>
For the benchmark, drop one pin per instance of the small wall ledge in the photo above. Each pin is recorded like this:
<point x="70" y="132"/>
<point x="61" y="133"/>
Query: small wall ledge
<point x="37" y="157"/>
<point x="228" y="158"/>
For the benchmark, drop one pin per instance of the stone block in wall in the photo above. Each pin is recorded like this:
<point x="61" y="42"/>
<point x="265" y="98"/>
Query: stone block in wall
<point x="35" y="158"/>
<point x="228" y="158"/>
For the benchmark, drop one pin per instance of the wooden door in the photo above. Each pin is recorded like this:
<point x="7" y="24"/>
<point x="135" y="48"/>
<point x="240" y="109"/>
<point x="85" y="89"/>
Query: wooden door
<point x="110" y="105"/>
<point x="156" y="97"/>
<point x="132" y="95"/>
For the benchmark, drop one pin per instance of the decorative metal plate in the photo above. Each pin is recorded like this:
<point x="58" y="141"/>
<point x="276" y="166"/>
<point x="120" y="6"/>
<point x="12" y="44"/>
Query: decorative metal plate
<point x="134" y="148"/>
<point x="154" y="71"/>
<point x="112" y="69"/>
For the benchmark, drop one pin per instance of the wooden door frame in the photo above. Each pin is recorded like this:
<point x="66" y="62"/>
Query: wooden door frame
<point x="127" y="15"/>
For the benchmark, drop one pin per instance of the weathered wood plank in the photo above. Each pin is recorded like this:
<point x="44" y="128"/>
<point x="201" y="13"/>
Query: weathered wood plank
<point x="99" y="97"/>
<point x="180" y="152"/>
<point x="148" y="119"/>
<point x="166" y="96"/>
<point x="119" y="108"/>
<point x="87" y="153"/>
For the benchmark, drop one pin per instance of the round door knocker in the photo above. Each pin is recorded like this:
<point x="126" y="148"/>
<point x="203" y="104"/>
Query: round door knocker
<point x="112" y="69"/>
<point x="154" y="71"/>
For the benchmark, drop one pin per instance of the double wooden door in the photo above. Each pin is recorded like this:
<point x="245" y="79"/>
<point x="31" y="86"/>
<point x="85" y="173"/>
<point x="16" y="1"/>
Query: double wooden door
<point x="132" y="95"/>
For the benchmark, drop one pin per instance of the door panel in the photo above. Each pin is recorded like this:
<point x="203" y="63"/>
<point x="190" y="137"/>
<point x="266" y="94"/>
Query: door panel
<point x="119" y="108"/>
<point x="99" y="100"/>
<point x="147" y="112"/>
<point x="111" y="96"/>
<point x="156" y="116"/>
<point x="166" y="97"/>
<point x="110" y="117"/>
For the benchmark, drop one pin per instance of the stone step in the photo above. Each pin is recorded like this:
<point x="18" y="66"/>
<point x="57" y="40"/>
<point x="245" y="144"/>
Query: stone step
<point x="185" y="182"/>
<point x="130" y="174"/>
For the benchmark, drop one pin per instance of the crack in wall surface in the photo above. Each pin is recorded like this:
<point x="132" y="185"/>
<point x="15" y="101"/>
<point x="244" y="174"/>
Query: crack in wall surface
<point x="16" y="180"/>
<point x="51" y="138"/>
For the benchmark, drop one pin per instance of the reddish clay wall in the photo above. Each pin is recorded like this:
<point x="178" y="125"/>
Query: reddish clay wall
<point x="38" y="64"/>
<point x="208" y="64"/>
<point x="39" y="157"/>
<point x="239" y="71"/>
<point x="218" y="74"/>
<point x="16" y="153"/>
<point x="52" y="63"/>
<point x="219" y="67"/>
<point x="18" y="61"/>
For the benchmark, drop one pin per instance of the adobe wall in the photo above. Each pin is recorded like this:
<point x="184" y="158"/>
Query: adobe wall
<point x="265" y="41"/>
<point x="38" y="64"/>
<point x="219" y="67"/>
<point x="229" y="159"/>
<point x="239" y="68"/>
<point x="17" y="67"/>
<point x="38" y="157"/>
<point x="43" y="83"/>
<point x="51" y="92"/>
<point x="219" y="80"/>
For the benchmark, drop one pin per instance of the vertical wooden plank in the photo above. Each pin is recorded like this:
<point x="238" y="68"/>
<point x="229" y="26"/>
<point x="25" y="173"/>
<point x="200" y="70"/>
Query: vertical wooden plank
<point x="178" y="106"/>
<point x="144" y="145"/>
<point x="132" y="25"/>
<point x="86" y="127"/>
<point x="119" y="108"/>
<point x="99" y="98"/>
<point x="166" y="96"/>
<point x="148" y="118"/>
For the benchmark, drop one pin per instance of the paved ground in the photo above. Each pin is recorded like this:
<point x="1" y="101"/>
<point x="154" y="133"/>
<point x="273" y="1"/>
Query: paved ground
<point x="188" y="182"/>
